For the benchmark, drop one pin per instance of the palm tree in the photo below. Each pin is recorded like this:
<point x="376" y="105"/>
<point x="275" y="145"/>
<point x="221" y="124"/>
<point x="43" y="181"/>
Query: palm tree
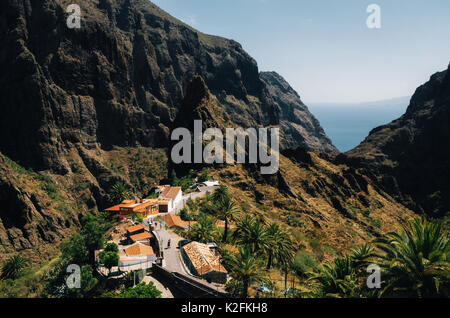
<point x="13" y="267"/>
<point x="244" y="267"/>
<point x="253" y="234"/>
<point x="415" y="263"/>
<point x="286" y="266"/>
<point x="220" y="194"/>
<point x="204" y="230"/>
<point x="226" y="210"/>
<point x="192" y="205"/>
<point x="337" y="279"/>
<point x="279" y="245"/>
<point x="119" y="192"/>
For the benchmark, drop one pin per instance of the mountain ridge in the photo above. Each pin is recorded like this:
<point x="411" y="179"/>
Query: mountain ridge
<point x="83" y="110"/>
<point x="410" y="154"/>
<point x="75" y="101"/>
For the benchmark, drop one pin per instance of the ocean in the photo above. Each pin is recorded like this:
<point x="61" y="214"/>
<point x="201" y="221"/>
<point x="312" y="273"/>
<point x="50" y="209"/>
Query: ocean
<point x="349" y="124"/>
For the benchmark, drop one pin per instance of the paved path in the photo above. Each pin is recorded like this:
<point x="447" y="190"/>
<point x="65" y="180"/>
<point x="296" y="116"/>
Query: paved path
<point x="172" y="257"/>
<point x="161" y="286"/>
<point x="172" y="261"/>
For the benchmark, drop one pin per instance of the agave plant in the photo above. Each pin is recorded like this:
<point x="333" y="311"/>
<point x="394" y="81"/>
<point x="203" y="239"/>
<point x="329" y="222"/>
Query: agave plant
<point x="361" y="257"/>
<point x="415" y="263"/>
<point x="13" y="267"/>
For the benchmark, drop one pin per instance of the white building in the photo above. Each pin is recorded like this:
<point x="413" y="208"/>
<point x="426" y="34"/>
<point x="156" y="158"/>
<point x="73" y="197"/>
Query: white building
<point x="211" y="183"/>
<point x="169" y="199"/>
<point x="137" y="254"/>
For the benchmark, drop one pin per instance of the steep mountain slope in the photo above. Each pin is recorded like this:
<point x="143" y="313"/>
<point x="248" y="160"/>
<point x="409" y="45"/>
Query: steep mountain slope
<point x="82" y="109"/>
<point x="85" y="108"/>
<point x="329" y="208"/>
<point x="118" y="80"/>
<point x="410" y="157"/>
<point x="300" y="127"/>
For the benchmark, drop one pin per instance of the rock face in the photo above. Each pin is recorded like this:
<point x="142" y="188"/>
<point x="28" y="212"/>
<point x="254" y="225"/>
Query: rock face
<point x="86" y="108"/>
<point x="119" y="81"/>
<point x="298" y="125"/>
<point x="69" y="98"/>
<point x="411" y="155"/>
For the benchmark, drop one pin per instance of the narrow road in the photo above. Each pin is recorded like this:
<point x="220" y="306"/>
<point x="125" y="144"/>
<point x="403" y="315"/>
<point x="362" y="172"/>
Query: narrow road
<point x="172" y="257"/>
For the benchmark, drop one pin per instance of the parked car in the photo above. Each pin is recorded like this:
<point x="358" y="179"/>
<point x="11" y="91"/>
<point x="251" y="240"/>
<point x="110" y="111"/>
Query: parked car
<point x="264" y="289"/>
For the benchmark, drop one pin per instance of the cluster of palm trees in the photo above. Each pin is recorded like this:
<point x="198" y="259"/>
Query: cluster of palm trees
<point x="413" y="263"/>
<point x="260" y="246"/>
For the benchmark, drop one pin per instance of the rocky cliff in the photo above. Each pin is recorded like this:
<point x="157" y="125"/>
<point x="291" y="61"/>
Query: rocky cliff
<point x="298" y="125"/>
<point x="82" y="109"/>
<point x="119" y="81"/>
<point x="410" y="157"/>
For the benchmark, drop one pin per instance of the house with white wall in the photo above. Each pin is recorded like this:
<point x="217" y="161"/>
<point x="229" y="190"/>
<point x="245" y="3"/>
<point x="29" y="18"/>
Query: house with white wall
<point x="137" y="254"/>
<point x="169" y="199"/>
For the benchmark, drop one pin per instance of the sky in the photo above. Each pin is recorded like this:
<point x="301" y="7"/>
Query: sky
<point x="324" y="48"/>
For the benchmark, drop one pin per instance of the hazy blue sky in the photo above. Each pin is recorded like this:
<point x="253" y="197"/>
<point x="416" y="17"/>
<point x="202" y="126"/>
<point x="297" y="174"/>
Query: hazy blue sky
<point x="324" y="48"/>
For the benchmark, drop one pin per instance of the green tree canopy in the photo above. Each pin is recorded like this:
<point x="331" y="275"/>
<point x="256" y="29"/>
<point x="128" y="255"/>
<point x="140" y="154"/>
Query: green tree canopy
<point x="142" y="290"/>
<point x="204" y="230"/>
<point x="278" y="246"/>
<point x="252" y="233"/>
<point x="415" y="263"/>
<point x="118" y="193"/>
<point x="244" y="267"/>
<point x="109" y="259"/>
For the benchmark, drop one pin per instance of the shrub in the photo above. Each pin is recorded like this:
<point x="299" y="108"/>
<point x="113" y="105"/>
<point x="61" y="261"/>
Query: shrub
<point x="141" y="291"/>
<point x="304" y="263"/>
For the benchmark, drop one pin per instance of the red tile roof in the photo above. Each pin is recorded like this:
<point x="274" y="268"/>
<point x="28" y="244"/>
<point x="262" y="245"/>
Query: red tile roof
<point x="170" y="193"/>
<point x="139" y="249"/>
<point x="141" y="236"/>
<point x="135" y="228"/>
<point x="203" y="259"/>
<point x="174" y="220"/>
<point x="133" y="206"/>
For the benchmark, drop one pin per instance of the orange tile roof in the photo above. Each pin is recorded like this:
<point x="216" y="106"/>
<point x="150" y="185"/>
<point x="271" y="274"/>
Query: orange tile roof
<point x="170" y="193"/>
<point x="115" y="208"/>
<point x="145" y="204"/>
<point x="203" y="259"/>
<point x="139" y="249"/>
<point x="133" y="206"/>
<point x="141" y="236"/>
<point x="174" y="220"/>
<point x="135" y="228"/>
